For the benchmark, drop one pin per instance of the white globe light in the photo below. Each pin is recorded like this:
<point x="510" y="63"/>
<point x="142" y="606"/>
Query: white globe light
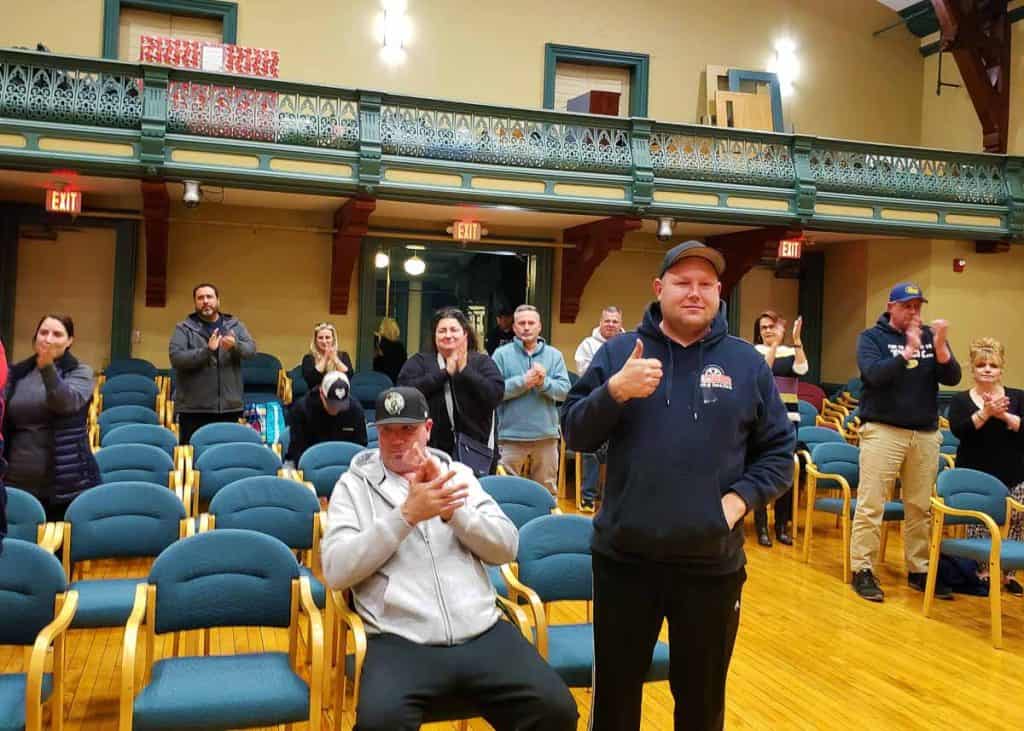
<point x="414" y="266"/>
<point x="382" y="260"/>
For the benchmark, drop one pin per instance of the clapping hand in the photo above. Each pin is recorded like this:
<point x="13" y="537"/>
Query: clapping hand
<point x="913" y="346"/>
<point x="214" y="342"/>
<point x="432" y="492"/>
<point x="227" y="342"/>
<point x="798" y="326"/>
<point x="638" y="378"/>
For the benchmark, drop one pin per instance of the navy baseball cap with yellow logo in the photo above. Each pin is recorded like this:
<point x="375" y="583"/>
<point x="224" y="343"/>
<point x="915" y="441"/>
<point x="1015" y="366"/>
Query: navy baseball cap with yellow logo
<point x="906" y="292"/>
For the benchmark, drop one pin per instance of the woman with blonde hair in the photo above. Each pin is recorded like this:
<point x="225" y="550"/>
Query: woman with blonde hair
<point x="389" y="355"/>
<point x="986" y="420"/>
<point x="324" y="356"/>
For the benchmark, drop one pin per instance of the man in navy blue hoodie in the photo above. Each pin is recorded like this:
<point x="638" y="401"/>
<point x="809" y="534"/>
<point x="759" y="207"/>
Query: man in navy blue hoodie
<point x="697" y="438"/>
<point x="902" y="363"/>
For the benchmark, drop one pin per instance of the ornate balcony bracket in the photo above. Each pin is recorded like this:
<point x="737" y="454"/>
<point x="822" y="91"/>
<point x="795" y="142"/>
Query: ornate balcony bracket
<point x="643" y="167"/>
<point x="350" y="222"/>
<point x="592" y="243"/>
<point x="154" y="119"/>
<point x="156" y="206"/>
<point x="369" y="143"/>
<point x="806" y="190"/>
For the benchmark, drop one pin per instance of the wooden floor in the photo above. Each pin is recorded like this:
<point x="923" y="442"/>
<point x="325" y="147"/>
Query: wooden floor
<point x="810" y="655"/>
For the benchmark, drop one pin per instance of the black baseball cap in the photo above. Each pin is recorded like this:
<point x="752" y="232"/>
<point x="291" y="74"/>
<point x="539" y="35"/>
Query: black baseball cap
<point x="335" y="388"/>
<point x="401" y="405"/>
<point x="693" y="248"/>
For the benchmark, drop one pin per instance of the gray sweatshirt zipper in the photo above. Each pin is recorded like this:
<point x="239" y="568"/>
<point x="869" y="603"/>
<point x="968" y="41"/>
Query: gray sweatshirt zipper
<point x="440" y="594"/>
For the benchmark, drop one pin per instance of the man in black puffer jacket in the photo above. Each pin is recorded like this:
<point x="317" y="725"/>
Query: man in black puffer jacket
<point x="697" y="438"/>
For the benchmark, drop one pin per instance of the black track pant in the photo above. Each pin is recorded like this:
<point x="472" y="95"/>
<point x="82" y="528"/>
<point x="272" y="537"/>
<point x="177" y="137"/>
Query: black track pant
<point x="630" y="602"/>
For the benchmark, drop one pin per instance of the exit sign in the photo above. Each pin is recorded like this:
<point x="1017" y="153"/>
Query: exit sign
<point x="790" y="248"/>
<point x="64" y="201"/>
<point x="466" y="230"/>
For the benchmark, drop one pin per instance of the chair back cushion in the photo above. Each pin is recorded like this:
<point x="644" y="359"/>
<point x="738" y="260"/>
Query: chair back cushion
<point x="814" y="435"/>
<point x="367" y="384"/>
<point x="24" y="515"/>
<point x="30" y="579"/>
<point x="114" y="417"/>
<point x="260" y="373"/>
<point x="811" y="393"/>
<point x="272" y="505"/>
<point x="837" y="459"/>
<point x="134" y="463"/>
<point x="129" y="390"/>
<point x="322" y="464"/>
<point x="372" y="438"/>
<point x="151" y="434"/>
<point x="520" y="499"/>
<point x="807" y="413"/>
<point x="123" y="519"/>
<point x="299" y="387"/>
<point x="554" y="557"/>
<point x="212" y="435"/>
<point x="222" y="464"/>
<point x="224" y="578"/>
<point x="967" y="489"/>
<point x="136" y="366"/>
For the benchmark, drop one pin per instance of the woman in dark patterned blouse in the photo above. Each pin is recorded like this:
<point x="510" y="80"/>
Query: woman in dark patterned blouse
<point x="986" y="420"/>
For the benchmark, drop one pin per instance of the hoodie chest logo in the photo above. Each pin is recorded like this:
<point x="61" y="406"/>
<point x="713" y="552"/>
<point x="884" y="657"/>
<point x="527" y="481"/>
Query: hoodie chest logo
<point x="714" y="376"/>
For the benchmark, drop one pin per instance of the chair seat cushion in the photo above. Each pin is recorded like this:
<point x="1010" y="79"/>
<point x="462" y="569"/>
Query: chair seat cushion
<point x="571" y="654"/>
<point x="834" y="505"/>
<point x="1011" y="557"/>
<point x="316" y="587"/>
<point x="219" y="692"/>
<point x="12" y="699"/>
<point x="104" y="602"/>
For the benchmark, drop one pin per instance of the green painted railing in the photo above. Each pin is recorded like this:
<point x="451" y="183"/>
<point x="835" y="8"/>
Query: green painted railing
<point x="372" y="132"/>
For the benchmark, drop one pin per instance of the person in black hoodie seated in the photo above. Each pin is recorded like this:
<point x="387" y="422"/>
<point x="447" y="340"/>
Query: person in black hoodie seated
<point x="697" y="438"/>
<point x="902" y="363"/>
<point x="325" y="414"/>
<point x="460" y="384"/>
<point x="47" y="441"/>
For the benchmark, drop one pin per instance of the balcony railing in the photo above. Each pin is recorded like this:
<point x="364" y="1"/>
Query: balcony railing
<point x="378" y="131"/>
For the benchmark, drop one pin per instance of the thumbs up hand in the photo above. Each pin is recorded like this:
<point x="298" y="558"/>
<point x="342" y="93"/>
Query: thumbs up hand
<point x="638" y="378"/>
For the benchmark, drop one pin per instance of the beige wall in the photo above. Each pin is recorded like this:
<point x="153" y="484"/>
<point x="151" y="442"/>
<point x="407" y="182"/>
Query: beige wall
<point x="624" y="279"/>
<point x="844" y="309"/>
<point x="852" y="85"/>
<point x="72" y="275"/>
<point x="950" y="122"/>
<point x="760" y="291"/>
<point x="277" y="282"/>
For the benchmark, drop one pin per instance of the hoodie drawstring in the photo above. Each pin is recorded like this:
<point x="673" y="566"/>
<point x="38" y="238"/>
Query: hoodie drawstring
<point x="696" y="384"/>
<point x="671" y="368"/>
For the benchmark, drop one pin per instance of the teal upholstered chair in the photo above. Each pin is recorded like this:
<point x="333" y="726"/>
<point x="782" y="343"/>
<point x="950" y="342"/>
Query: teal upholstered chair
<point x="152" y="434"/>
<point x="140" y="463"/>
<point x="521" y="500"/>
<point x="26" y="520"/>
<point x="322" y="464"/>
<point x="372" y="437"/>
<point x="125" y="366"/>
<point x="117" y="416"/>
<point x="222" y="464"/>
<point x="367" y="384"/>
<point x="262" y="376"/>
<point x="299" y="387"/>
<point x="223" y="578"/>
<point x="808" y="414"/>
<point x="835" y="469"/>
<point x="131" y="389"/>
<point x="949" y="443"/>
<point x="970" y="497"/>
<point x="36" y="610"/>
<point x="113" y="521"/>
<point x="555" y="565"/>
<point x="211" y="435"/>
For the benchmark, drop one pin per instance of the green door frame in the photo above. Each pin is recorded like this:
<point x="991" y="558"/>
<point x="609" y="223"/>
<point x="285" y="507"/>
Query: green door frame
<point x="126" y="232"/>
<point x="540" y="272"/>
<point x="226" y="12"/>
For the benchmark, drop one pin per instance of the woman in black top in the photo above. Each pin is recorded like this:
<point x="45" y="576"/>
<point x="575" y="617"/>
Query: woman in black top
<point x="986" y="420"/>
<point x="390" y="353"/>
<point x="324" y="356"/>
<point x="477" y="386"/>
<point x="787" y="364"/>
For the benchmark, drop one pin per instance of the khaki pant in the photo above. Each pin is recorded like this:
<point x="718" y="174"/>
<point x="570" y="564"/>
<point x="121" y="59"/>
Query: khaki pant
<point x="537" y="459"/>
<point x="888" y="452"/>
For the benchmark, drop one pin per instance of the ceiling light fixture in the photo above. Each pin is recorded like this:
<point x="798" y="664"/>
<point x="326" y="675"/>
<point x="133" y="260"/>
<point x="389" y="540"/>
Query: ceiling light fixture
<point x="414" y="266"/>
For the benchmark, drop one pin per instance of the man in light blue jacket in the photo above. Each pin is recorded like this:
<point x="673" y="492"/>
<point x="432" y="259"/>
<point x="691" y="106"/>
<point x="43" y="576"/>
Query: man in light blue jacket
<point x="536" y="381"/>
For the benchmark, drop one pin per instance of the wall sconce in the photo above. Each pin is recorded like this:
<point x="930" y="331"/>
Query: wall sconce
<point x="959" y="265"/>
<point x="414" y="266"/>
<point x="395" y="30"/>
<point x="786" y="65"/>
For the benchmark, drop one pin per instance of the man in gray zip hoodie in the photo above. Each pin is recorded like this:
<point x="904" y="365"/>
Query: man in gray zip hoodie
<point x="409" y="530"/>
<point x="206" y="352"/>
